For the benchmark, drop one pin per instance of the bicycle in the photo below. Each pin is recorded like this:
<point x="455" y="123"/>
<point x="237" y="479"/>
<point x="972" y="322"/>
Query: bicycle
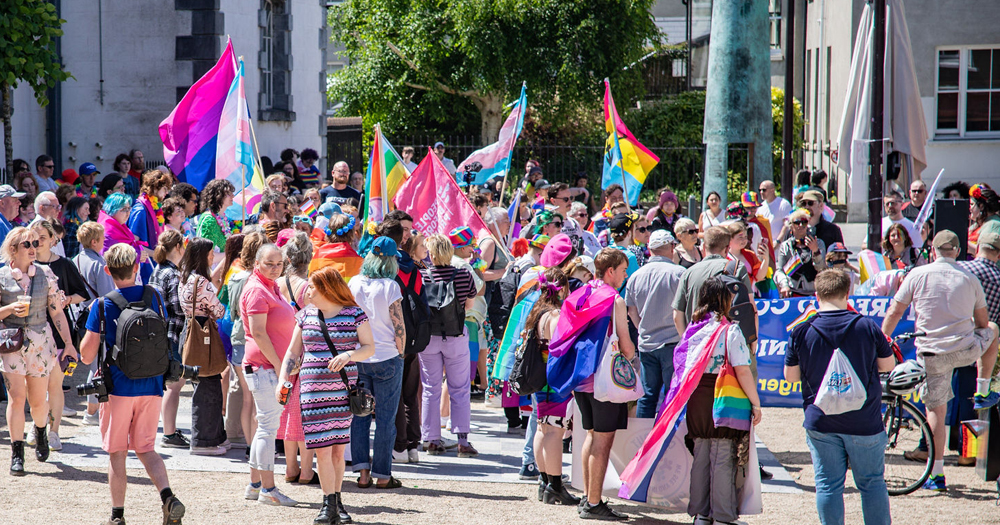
<point x="907" y="429"/>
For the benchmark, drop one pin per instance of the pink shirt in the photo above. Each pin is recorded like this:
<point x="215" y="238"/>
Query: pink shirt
<point x="261" y="296"/>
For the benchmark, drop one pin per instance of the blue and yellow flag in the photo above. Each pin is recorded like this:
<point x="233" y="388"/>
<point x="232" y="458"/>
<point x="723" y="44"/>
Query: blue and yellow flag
<point x="626" y="161"/>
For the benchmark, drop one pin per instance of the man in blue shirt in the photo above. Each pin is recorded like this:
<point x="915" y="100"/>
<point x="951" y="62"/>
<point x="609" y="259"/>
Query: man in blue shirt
<point x="10" y="205"/>
<point x="130" y="417"/>
<point x="858" y="436"/>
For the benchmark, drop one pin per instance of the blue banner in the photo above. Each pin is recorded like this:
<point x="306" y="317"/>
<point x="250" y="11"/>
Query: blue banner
<point x="776" y="315"/>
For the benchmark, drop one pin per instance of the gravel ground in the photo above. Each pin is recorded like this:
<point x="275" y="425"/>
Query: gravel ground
<point x="81" y="496"/>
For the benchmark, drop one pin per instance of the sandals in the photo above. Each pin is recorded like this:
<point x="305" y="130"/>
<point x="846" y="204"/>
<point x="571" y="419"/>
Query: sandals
<point x="393" y="483"/>
<point x="314" y="480"/>
<point x="365" y="485"/>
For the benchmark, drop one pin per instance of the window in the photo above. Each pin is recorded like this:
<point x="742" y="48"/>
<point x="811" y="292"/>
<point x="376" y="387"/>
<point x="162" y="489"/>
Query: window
<point x="275" y="61"/>
<point x="968" y="92"/>
<point x="774" y="12"/>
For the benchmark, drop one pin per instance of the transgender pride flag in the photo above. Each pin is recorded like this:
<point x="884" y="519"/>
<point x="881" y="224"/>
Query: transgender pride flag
<point x="495" y="158"/>
<point x="235" y="160"/>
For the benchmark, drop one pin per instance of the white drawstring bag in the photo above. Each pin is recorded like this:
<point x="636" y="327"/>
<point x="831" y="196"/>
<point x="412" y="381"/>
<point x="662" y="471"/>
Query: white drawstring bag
<point x="841" y="390"/>
<point x="616" y="380"/>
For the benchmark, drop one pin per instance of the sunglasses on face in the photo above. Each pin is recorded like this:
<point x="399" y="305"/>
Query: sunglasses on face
<point x="693" y="231"/>
<point x="917" y="191"/>
<point x="641" y="229"/>
<point x="800" y="222"/>
<point x="808" y="203"/>
<point x="29" y="244"/>
<point x="839" y="261"/>
<point x="564" y="199"/>
<point x="556" y="224"/>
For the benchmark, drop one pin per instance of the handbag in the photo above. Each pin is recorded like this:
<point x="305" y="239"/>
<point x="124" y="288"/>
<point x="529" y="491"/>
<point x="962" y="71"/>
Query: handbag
<point x="203" y="345"/>
<point x="731" y="407"/>
<point x="528" y="374"/>
<point x="361" y="400"/>
<point x="12" y="339"/>
<point x="616" y="380"/>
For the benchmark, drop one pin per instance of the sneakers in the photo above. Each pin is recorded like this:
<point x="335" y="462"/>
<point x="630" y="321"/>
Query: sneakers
<point x="173" y="511"/>
<point x="68" y="412"/>
<point x="226" y="445"/>
<point x="601" y="511"/>
<point x="517" y="431"/>
<point x="54" y="442"/>
<point x="276" y="498"/>
<point x="467" y="451"/>
<point x="434" y="448"/>
<point x="981" y="402"/>
<point x="251" y="493"/>
<point x="91" y="419"/>
<point x="413" y="456"/>
<point x="175" y="440"/>
<point x="448" y="443"/>
<point x="528" y="472"/>
<point x="701" y="520"/>
<point x="446" y="422"/>
<point x="115" y="521"/>
<point x="400" y="457"/>
<point x="208" y="451"/>
<point x="936" y="483"/>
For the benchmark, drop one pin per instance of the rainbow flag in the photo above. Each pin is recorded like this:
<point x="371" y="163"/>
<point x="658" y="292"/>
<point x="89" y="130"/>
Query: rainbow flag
<point x="309" y="209"/>
<point x="626" y="161"/>
<point x="236" y="160"/>
<point x="792" y="265"/>
<point x="190" y="134"/>
<point x="386" y="173"/>
<point x="806" y="315"/>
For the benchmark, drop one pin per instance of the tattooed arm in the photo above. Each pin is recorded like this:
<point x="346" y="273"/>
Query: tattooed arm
<point x="292" y="360"/>
<point x="398" y="327"/>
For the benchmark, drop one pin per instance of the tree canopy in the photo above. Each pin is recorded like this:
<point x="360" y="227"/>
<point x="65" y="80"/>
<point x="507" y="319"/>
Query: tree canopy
<point x="419" y="61"/>
<point x="28" y="29"/>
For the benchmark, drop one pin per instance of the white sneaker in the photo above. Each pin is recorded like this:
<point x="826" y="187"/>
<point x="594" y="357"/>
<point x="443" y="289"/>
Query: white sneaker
<point x="276" y="498"/>
<point x="92" y="419"/>
<point x="448" y="443"/>
<point x="208" y="451"/>
<point x="702" y="520"/>
<point x="68" y="412"/>
<point x="251" y="493"/>
<point x="54" y="443"/>
<point x="29" y="435"/>
<point x="400" y="457"/>
<point x="737" y="522"/>
<point x="226" y="445"/>
<point x="413" y="455"/>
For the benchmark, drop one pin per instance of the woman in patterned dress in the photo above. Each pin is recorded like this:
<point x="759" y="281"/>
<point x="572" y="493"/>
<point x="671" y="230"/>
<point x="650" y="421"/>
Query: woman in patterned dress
<point x="326" y="413"/>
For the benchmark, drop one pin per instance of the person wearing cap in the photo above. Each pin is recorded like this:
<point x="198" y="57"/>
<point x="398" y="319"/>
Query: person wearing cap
<point x="68" y="176"/>
<point x="648" y="296"/>
<point x="800" y="257"/>
<point x="378" y="294"/>
<point x="10" y="205"/>
<point x="531" y="178"/>
<point x="950" y="307"/>
<point x="836" y="258"/>
<point x="665" y="214"/>
<point x="447" y="354"/>
<point x="85" y="184"/>
<point x="448" y="163"/>
<point x="759" y="226"/>
<point x="773" y="208"/>
<point x="621" y="231"/>
<point x="466" y="254"/>
<point x="819" y="227"/>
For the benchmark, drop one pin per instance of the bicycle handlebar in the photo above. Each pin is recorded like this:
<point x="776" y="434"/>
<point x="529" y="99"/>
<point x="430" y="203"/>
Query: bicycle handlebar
<point x="908" y="335"/>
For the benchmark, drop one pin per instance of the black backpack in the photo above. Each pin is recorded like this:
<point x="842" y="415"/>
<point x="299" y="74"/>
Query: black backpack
<point x="742" y="310"/>
<point x="415" y="315"/>
<point x="528" y="373"/>
<point x="503" y="299"/>
<point x="141" y="349"/>
<point x="447" y="317"/>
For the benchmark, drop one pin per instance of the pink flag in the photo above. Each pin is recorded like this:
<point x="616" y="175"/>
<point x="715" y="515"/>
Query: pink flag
<point x="435" y="201"/>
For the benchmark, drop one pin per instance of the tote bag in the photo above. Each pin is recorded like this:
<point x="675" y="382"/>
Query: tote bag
<point x="616" y="380"/>
<point x="731" y="406"/>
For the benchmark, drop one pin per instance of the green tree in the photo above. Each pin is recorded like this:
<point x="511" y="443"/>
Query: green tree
<point x="28" y="29"/>
<point x="778" y="117"/>
<point x="470" y="56"/>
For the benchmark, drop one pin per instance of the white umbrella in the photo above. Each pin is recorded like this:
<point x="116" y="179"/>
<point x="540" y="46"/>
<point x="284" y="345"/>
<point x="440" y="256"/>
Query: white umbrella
<point x="904" y="125"/>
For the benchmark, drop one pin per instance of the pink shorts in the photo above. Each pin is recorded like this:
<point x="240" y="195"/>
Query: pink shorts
<point x="129" y="423"/>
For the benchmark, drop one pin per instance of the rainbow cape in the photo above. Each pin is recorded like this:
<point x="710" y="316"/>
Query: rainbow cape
<point x="504" y="361"/>
<point x="626" y="161"/>
<point x="341" y="256"/>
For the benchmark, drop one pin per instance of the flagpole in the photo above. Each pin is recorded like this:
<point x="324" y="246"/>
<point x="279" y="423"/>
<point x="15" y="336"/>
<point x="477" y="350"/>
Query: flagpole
<point x="510" y="155"/>
<point x="243" y="191"/>
<point x="614" y="129"/>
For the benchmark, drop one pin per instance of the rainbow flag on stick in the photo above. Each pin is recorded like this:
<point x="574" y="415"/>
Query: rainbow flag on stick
<point x="309" y="209"/>
<point x="792" y="265"/>
<point x="386" y="173"/>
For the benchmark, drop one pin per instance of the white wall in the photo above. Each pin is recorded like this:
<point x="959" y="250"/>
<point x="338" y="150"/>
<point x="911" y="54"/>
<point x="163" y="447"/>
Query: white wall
<point x="966" y="160"/>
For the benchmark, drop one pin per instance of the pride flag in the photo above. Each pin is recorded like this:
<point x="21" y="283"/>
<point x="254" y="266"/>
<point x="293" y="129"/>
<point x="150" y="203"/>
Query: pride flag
<point x="309" y="209"/>
<point x="434" y="200"/>
<point x="626" y="161"/>
<point x="806" y="315"/>
<point x="871" y="263"/>
<point x="792" y="265"/>
<point x="514" y="218"/>
<point x="386" y="173"/>
<point x="236" y="160"/>
<point x="495" y="158"/>
<point x="190" y="134"/>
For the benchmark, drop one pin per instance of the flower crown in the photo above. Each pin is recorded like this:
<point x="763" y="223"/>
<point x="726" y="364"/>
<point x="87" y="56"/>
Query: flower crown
<point x="342" y="231"/>
<point x="976" y="191"/>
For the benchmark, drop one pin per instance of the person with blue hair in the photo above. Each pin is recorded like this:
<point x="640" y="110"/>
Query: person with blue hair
<point x="113" y="216"/>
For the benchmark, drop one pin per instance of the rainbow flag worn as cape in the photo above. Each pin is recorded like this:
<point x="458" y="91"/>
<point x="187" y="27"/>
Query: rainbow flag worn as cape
<point x="341" y="256"/>
<point x="626" y="161"/>
<point x="504" y="362"/>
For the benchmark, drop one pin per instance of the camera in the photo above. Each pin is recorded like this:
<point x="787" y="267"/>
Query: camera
<point x="100" y="386"/>
<point x="176" y="371"/>
<point x="471" y="171"/>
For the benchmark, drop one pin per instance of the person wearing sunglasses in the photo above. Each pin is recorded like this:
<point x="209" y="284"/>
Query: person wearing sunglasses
<point x="559" y="197"/>
<point x="548" y="223"/>
<point x="772" y="207"/>
<point x="578" y="213"/>
<point x="821" y="228"/>
<point x="918" y="196"/>
<point x="800" y="258"/>
<point x="686" y="253"/>
<point x="640" y="237"/>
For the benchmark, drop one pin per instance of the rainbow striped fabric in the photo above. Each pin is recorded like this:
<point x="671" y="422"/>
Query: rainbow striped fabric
<point x="807" y="315"/>
<point x="626" y="161"/>
<point x="793" y="264"/>
<point x="386" y="173"/>
<point x="871" y="263"/>
<point x="309" y="209"/>
<point x="731" y="407"/>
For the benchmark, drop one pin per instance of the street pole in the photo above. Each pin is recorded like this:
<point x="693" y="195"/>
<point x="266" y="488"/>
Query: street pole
<point x="788" y="126"/>
<point x="876" y="145"/>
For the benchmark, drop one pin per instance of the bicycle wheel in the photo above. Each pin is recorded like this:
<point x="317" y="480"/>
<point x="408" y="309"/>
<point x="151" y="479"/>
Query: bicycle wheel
<point x="905" y="425"/>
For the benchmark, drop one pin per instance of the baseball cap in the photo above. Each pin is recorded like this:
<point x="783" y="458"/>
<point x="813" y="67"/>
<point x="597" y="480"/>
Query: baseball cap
<point x="947" y="240"/>
<point x="556" y="251"/>
<point x="838" y="247"/>
<point x="660" y="238"/>
<point x="812" y="195"/>
<point x="539" y="241"/>
<point x="461" y="237"/>
<point x="7" y="190"/>
<point x="621" y="223"/>
<point x="438" y="145"/>
<point x="88" y="168"/>
<point x="283" y="237"/>
<point x="384" y="247"/>
<point x="69" y="176"/>
<point x="990" y="239"/>
<point x="588" y="263"/>
<point x="327" y="209"/>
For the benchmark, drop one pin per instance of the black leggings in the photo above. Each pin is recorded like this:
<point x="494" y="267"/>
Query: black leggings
<point x="514" y="418"/>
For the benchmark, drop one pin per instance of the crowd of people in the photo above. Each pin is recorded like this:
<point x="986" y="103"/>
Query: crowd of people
<point x="297" y="324"/>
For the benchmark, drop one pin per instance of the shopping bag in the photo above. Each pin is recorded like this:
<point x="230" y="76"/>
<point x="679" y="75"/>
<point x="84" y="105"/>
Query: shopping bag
<point x="616" y="380"/>
<point x="841" y="390"/>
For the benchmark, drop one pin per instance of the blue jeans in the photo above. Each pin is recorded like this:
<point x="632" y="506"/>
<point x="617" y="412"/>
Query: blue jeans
<point x="830" y="454"/>
<point x="657" y="370"/>
<point x="528" y="454"/>
<point x="385" y="379"/>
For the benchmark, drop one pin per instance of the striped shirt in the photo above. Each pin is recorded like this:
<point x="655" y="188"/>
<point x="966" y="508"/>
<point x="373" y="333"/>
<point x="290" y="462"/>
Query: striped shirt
<point x="465" y="287"/>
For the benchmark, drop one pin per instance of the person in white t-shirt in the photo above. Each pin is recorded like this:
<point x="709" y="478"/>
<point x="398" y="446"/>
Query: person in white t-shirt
<point x="377" y="293"/>
<point x="775" y="209"/>
<point x="893" y="206"/>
